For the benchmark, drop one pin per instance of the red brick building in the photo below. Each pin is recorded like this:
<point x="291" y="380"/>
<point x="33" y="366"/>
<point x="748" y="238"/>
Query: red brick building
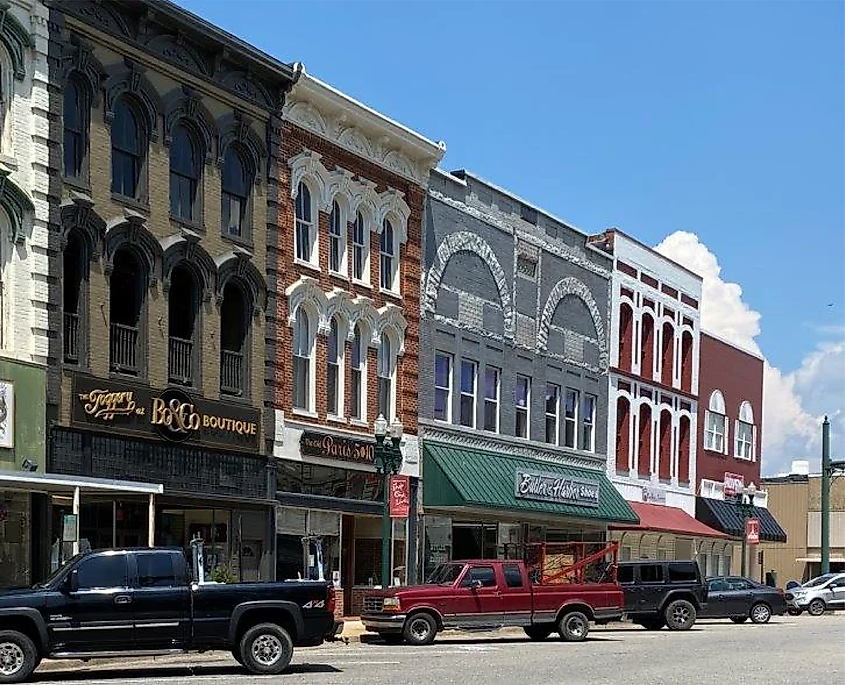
<point x="346" y="311"/>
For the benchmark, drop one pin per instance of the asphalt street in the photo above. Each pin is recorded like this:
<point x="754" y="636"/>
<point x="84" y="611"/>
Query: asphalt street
<point x="788" y="651"/>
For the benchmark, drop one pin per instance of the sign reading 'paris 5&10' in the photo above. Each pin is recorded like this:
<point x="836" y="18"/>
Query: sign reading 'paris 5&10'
<point x="550" y="487"/>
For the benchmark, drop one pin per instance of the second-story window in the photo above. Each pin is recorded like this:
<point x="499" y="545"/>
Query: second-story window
<point x="388" y="258"/>
<point x="385" y="378"/>
<point x="184" y="175"/>
<point x="359" y="373"/>
<point x="491" y="399"/>
<point x="183" y="306"/>
<point x="75" y="128"/>
<point x="337" y="242"/>
<point x="305" y="228"/>
<point x="235" y="193"/>
<point x="359" y="250"/>
<point x="588" y="423"/>
<point x="126" y="303"/>
<point x="522" y="399"/>
<point x="234" y="326"/>
<point x="126" y="151"/>
<point x="73" y="281"/>
<point x="442" y="386"/>
<point x="552" y="413"/>
<point x="715" y="424"/>
<point x="302" y="349"/>
<point x="469" y="375"/>
<point x="570" y="419"/>
<point x="745" y="433"/>
<point x="334" y="355"/>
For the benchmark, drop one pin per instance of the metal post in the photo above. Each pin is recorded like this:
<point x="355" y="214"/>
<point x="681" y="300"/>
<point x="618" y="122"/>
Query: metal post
<point x="826" y="469"/>
<point x="744" y="550"/>
<point x="151" y="522"/>
<point x="381" y="453"/>
<point x="78" y="526"/>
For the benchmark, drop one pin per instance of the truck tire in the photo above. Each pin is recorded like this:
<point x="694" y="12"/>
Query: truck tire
<point x="680" y="615"/>
<point x="420" y="629"/>
<point x="18" y="656"/>
<point x="539" y="631"/>
<point x="573" y="627"/>
<point x="266" y="649"/>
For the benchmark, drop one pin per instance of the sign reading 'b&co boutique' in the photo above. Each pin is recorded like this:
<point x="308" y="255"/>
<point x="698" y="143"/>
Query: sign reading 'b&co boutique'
<point x="171" y="414"/>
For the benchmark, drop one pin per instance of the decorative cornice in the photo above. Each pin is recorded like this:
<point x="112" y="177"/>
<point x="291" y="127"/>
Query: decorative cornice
<point x="17" y="205"/>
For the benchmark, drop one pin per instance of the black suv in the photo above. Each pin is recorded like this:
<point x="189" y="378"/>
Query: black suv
<point x="662" y="593"/>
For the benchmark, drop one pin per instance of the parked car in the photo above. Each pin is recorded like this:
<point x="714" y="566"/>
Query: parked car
<point x="489" y="594"/>
<point x="142" y="602"/>
<point x="662" y="593"/>
<point x="818" y="595"/>
<point x="740" y="599"/>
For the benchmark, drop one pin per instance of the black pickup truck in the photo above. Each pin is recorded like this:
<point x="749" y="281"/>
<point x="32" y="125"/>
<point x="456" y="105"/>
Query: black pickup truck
<point x="143" y="602"/>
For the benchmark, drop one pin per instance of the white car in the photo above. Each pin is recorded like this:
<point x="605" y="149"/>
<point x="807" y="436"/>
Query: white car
<point x="818" y="595"/>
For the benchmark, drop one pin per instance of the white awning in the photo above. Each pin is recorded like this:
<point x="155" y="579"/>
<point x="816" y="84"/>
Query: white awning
<point x="818" y="559"/>
<point x="59" y="483"/>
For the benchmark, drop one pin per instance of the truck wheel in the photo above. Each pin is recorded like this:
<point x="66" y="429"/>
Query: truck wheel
<point x="538" y="632"/>
<point x="266" y="649"/>
<point x="420" y="629"/>
<point x="573" y="627"/>
<point x="18" y="657"/>
<point x="680" y="615"/>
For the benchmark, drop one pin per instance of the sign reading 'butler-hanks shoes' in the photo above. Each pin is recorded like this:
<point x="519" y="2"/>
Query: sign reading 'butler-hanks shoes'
<point x="171" y="414"/>
<point x="550" y="487"/>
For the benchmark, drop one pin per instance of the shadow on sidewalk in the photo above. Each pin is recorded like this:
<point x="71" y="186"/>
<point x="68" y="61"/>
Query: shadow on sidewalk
<point x="161" y="672"/>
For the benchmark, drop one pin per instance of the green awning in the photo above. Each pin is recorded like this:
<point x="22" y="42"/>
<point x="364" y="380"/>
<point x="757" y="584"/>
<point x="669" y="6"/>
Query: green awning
<point x="465" y="477"/>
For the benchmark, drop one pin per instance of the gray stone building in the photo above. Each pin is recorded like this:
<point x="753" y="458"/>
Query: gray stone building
<point x="513" y="376"/>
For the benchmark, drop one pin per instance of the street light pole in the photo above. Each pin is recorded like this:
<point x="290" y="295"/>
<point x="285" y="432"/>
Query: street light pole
<point x="388" y="458"/>
<point x="826" y="496"/>
<point x="747" y="508"/>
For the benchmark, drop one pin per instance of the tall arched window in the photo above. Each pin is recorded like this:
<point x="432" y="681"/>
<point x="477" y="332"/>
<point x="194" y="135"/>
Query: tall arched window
<point x="75" y="127"/>
<point x="126" y="151"/>
<point x="236" y="185"/>
<point x="126" y="302"/>
<point x="388" y="256"/>
<point x="334" y="370"/>
<point x="715" y="424"/>
<point x="360" y="264"/>
<point x="358" y="410"/>
<point x="305" y="233"/>
<point x="184" y="175"/>
<point x="745" y="433"/>
<point x="385" y="377"/>
<point x="73" y="279"/>
<point x="337" y="240"/>
<point x="183" y="307"/>
<point x="234" y="327"/>
<point x="302" y="349"/>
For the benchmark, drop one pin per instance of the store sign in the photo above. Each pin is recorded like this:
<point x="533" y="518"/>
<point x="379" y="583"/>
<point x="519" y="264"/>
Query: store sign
<point x="734" y="484"/>
<point x="654" y="495"/>
<point x="400" y="497"/>
<point x="547" y="487"/>
<point x="70" y="528"/>
<point x="752" y="531"/>
<point x="171" y="414"/>
<point x="313" y="444"/>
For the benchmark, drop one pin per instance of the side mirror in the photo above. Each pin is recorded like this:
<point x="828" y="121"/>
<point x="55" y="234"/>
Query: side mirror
<point x="476" y="584"/>
<point x="71" y="583"/>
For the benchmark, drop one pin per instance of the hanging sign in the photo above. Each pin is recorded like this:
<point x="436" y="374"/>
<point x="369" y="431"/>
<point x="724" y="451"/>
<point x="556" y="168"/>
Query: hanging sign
<point x="734" y="484"/>
<point x="70" y="528"/>
<point x="752" y="531"/>
<point x="400" y="496"/>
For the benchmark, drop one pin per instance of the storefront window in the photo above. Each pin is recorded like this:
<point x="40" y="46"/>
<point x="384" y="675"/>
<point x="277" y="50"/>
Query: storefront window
<point x="14" y="539"/>
<point x="325" y="481"/>
<point x="437" y="543"/>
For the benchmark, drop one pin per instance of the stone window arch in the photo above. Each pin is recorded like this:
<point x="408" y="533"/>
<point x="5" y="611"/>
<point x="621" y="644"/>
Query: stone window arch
<point x="566" y="287"/>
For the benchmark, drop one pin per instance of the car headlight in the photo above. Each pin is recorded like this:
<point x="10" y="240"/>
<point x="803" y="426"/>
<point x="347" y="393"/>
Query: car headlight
<point x="390" y="604"/>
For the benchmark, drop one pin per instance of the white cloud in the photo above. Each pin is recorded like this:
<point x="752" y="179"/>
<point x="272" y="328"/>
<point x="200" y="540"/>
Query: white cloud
<point x="793" y="403"/>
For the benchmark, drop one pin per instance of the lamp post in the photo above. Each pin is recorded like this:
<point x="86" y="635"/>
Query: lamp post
<point x="746" y="505"/>
<point x="829" y="469"/>
<point x="388" y="458"/>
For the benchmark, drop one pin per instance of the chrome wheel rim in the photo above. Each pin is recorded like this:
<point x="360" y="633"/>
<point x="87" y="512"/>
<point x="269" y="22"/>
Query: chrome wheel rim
<point x="575" y="626"/>
<point x="267" y="649"/>
<point x="760" y="614"/>
<point x="680" y="615"/>
<point x="816" y="607"/>
<point x="11" y="658"/>
<point x="420" y="629"/>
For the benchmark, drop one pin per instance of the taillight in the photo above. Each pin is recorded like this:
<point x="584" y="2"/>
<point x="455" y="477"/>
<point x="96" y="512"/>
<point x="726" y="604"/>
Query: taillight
<point x="331" y="600"/>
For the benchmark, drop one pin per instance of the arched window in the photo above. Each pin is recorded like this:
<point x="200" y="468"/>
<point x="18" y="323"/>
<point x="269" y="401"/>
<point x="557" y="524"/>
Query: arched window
<point x="302" y="349"/>
<point x="388" y="256"/>
<point x="746" y="433"/>
<point x="358" y="409"/>
<point x="306" y="230"/>
<point x="234" y="327"/>
<point x="715" y="424"/>
<point x="385" y="377"/>
<point x="183" y="307"/>
<point x="337" y="240"/>
<point x="236" y="186"/>
<point x="184" y="175"/>
<point x="334" y="370"/>
<point x="75" y="127"/>
<point x="126" y="302"/>
<point x="73" y="281"/>
<point x="360" y="243"/>
<point x="126" y="151"/>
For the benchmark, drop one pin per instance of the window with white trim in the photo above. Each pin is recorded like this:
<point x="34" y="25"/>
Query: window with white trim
<point x="385" y="378"/>
<point x="358" y="410"/>
<point x="360" y="261"/>
<point x="570" y="419"/>
<point x="337" y="240"/>
<point x="745" y="433"/>
<point x="388" y="262"/>
<point x="491" y="399"/>
<point x="442" y="387"/>
<point x="715" y="424"/>
<point x="552" y="413"/>
<point x="522" y="400"/>
<point x="469" y="379"/>
<point x="588" y="423"/>
<point x="334" y="370"/>
<point x="305" y="235"/>
<point x="303" y="347"/>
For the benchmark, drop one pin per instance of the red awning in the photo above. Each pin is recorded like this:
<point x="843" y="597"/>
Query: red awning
<point x="668" y="520"/>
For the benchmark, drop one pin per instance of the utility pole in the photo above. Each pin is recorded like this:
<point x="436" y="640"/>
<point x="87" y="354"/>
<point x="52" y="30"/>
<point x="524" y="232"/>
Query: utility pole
<point x="826" y="473"/>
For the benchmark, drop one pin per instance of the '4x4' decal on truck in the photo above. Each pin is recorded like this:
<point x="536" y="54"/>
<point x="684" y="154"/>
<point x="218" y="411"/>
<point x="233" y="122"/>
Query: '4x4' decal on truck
<point x="315" y="604"/>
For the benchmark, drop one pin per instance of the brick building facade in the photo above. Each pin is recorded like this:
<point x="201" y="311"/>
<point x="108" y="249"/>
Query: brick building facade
<point x="345" y="259"/>
<point x="167" y="133"/>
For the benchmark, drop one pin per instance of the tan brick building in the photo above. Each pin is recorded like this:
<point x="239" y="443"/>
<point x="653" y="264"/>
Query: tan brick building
<point x="346" y="261"/>
<point x="166" y="179"/>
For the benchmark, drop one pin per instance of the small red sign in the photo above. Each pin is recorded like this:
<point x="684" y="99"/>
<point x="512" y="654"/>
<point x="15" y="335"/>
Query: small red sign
<point x="752" y="531"/>
<point x="400" y="496"/>
<point x="734" y="484"/>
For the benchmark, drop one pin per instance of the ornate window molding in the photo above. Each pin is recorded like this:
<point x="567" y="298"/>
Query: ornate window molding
<point x="236" y="129"/>
<point x="237" y="264"/>
<point x="130" y="231"/>
<point x="186" y="247"/>
<point x="307" y="167"/>
<point x="79" y="59"/>
<point x="78" y="213"/>
<point x="16" y="39"/>
<point x="186" y="107"/>
<point x="563" y="288"/>
<point x="392" y="322"/>
<point x="307" y="291"/>
<point x="130" y="79"/>
<point x="17" y="205"/>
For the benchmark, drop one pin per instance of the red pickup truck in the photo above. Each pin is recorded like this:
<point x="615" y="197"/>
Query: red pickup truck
<point x="488" y="594"/>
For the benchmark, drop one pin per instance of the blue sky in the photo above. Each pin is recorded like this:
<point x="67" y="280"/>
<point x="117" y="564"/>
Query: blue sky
<point x="726" y="120"/>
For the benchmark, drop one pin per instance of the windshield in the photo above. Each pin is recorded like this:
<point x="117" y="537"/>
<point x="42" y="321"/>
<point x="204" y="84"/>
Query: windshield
<point x="49" y="580"/>
<point x="821" y="580"/>
<point x="445" y="574"/>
